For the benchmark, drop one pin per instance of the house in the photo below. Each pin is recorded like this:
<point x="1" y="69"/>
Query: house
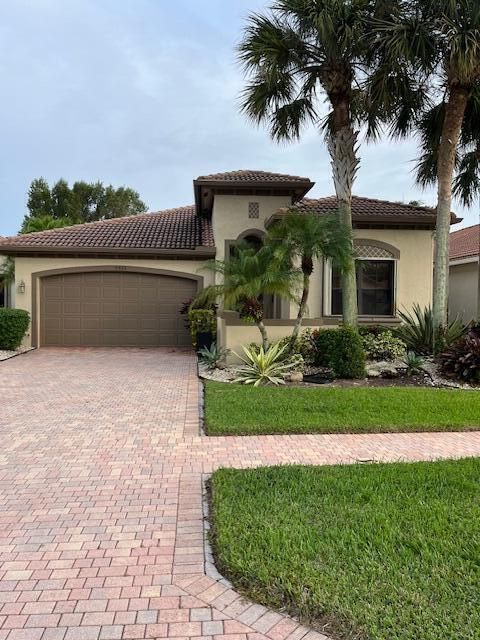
<point x="464" y="291"/>
<point x="122" y="281"/>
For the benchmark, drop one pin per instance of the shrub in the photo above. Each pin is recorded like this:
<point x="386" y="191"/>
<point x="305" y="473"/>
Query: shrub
<point x="462" y="359"/>
<point x="418" y="333"/>
<point x="213" y="355"/>
<point x="202" y="321"/>
<point x="263" y="367"/>
<point x="382" y="345"/>
<point x="13" y="326"/>
<point x="341" y="350"/>
<point x="303" y="346"/>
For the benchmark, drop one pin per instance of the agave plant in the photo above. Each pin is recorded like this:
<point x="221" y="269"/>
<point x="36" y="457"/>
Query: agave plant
<point x="212" y="355"/>
<point x="263" y="367"/>
<point x="413" y="362"/>
<point x="419" y="333"/>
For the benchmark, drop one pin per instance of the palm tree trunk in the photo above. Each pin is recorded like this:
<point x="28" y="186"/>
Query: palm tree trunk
<point x="301" y="309"/>
<point x="263" y="331"/>
<point x="342" y="146"/>
<point x="452" y="126"/>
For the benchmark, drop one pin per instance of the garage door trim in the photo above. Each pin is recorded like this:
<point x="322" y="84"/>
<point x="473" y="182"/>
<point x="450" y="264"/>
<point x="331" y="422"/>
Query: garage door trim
<point x="38" y="275"/>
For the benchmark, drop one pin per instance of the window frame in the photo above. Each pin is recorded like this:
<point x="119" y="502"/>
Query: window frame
<point x="327" y="288"/>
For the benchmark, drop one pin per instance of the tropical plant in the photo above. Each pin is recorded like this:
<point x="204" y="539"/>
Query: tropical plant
<point x="44" y="223"/>
<point x="413" y="362"/>
<point x="462" y="359"/>
<point x="246" y="277"/>
<point x="213" y="355"/>
<point x="7" y="271"/>
<point x="202" y="321"/>
<point x="304" y="238"/>
<point x="418" y="331"/>
<point x="298" y="53"/>
<point x="382" y="345"/>
<point x="438" y="40"/>
<point x="263" y="367"/>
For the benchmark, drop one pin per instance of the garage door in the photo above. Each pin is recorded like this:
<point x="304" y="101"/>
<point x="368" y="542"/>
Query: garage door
<point x="117" y="309"/>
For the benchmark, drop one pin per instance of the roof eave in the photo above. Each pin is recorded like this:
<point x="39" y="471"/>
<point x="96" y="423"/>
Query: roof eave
<point x="199" y="252"/>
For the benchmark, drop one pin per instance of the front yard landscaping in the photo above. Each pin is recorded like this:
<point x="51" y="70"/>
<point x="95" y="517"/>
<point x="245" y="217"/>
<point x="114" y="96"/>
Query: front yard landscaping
<point x="232" y="409"/>
<point x="377" y="552"/>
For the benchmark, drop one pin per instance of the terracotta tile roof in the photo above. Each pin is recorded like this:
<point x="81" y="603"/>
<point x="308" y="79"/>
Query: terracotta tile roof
<point x="372" y="209"/>
<point x="465" y="243"/>
<point x="179" y="228"/>
<point x="249" y="176"/>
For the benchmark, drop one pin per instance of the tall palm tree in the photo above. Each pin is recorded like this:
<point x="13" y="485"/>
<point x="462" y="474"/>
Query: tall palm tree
<point x="295" y="55"/>
<point x="247" y="276"/>
<point x="303" y="238"/>
<point x="439" y="39"/>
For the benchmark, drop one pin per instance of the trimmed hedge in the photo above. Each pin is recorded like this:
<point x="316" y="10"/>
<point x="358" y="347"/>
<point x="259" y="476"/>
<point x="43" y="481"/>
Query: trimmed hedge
<point x="202" y="321"/>
<point x="341" y="350"/>
<point x="13" y="326"/>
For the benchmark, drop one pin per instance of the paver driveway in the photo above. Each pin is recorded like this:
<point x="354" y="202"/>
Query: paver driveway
<point x="101" y="522"/>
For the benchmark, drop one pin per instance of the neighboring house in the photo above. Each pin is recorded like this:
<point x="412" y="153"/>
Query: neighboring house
<point x="122" y="281"/>
<point x="464" y="292"/>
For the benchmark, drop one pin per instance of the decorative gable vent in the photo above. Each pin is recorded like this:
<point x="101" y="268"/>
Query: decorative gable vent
<point x="253" y="210"/>
<point x="370" y="251"/>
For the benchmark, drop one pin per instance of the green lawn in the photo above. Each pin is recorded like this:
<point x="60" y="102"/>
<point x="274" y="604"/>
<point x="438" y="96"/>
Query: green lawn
<point x="378" y="552"/>
<point x="244" y="410"/>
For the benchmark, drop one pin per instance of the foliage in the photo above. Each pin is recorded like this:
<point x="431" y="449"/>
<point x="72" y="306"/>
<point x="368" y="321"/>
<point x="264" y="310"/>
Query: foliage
<point x="236" y="410"/>
<point x="262" y="367"/>
<point x="13" y="326"/>
<point x="341" y="350"/>
<point x="246" y="277"/>
<point x="303" y="346"/>
<point x="382" y="345"/>
<point x="213" y="355"/>
<point x="202" y="321"/>
<point x="377" y="552"/>
<point x="7" y="271"/>
<point x="83" y="202"/>
<point x="418" y="333"/>
<point x="462" y="359"/>
<point x="413" y="362"/>
<point x="44" y="223"/>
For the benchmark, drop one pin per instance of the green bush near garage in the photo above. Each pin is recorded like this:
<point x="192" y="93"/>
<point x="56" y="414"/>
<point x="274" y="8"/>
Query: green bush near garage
<point x="13" y="327"/>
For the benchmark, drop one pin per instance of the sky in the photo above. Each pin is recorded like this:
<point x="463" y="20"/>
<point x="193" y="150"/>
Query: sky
<point x="145" y="93"/>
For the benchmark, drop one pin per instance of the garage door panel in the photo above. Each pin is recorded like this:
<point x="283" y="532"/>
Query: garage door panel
<point x="114" y="309"/>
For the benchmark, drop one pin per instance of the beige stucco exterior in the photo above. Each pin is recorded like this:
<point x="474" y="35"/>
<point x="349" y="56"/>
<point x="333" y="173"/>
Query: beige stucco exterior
<point x="413" y="251"/>
<point x="464" y="290"/>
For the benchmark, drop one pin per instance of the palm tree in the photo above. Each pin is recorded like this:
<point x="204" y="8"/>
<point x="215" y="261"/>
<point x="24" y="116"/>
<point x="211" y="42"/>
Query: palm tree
<point x="298" y="53"/>
<point x="247" y="276"/>
<point x="439" y="40"/>
<point x="7" y="271"/>
<point x="303" y="238"/>
<point x="43" y="223"/>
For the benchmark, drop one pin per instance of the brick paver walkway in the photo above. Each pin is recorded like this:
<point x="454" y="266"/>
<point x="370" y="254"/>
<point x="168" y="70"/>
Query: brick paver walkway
<point x="101" y="475"/>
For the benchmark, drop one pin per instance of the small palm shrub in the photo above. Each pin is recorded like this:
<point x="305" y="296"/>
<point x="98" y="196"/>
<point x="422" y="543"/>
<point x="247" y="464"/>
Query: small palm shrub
<point x="13" y="326"/>
<point x="462" y="359"/>
<point x="262" y="367"/>
<point x="341" y="350"/>
<point x="382" y="345"/>
<point x="413" y="362"/>
<point x="418" y="333"/>
<point x="212" y="355"/>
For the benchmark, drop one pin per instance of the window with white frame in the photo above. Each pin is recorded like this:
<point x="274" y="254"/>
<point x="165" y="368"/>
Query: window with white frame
<point x="375" y="268"/>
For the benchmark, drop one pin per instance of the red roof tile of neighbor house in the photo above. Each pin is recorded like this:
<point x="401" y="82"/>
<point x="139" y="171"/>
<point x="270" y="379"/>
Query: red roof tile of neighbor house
<point x="366" y="209"/>
<point x="252" y="176"/>
<point x="465" y="243"/>
<point x="179" y="229"/>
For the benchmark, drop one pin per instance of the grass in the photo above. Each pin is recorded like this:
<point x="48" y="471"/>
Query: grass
<point x="382" y="552"/>
<point x="243" y="410"/>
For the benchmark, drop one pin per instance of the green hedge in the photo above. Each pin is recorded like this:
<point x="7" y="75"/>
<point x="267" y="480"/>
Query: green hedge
<point x="341" y="350"/>
<point x="202" y="321"/>
<point x="13" y="326"/>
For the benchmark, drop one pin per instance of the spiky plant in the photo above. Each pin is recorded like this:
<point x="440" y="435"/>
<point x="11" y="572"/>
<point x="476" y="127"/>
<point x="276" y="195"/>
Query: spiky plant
<point x="264" y="367"/>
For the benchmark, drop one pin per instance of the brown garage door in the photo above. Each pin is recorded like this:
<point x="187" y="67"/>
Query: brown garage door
<point x="118" y="309"/>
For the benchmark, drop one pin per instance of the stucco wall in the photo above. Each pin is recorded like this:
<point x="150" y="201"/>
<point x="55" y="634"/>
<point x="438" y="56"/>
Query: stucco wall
<point x="463" y="291"/>
<point x="25" y="267"/>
